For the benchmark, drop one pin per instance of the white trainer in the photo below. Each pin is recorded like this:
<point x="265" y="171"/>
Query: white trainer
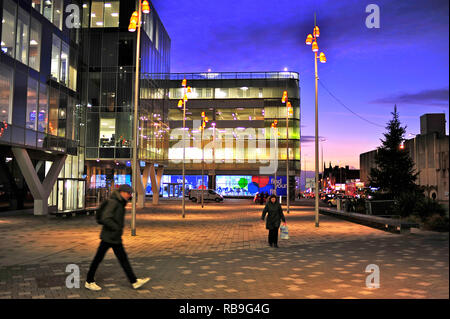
<point x="140" y="282"/>
<point x="92" y="286"/>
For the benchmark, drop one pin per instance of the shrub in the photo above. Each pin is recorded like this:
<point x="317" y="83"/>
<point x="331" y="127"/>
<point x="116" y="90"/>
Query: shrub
<point x="428" y="207"/>
<point x="437" y="222"/>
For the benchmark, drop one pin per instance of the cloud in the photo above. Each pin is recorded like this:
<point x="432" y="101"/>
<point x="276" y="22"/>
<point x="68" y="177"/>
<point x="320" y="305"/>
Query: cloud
<point x="434" y="97"/>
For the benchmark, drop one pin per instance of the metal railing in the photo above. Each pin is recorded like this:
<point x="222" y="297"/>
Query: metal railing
<point x="15" y="135"/>
<point x="222" y="75"/>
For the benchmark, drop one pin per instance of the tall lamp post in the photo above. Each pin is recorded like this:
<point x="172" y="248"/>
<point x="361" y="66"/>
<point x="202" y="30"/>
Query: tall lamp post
<point x="182" y="103"/>
<point x="289" y="112"/>
<point x="135" y="23"/>
<point x="202" y="129"/>
<point x="312" y="39"/>
<point x="275" y="130"/>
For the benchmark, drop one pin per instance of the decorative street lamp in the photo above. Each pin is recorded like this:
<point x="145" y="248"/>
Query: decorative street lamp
<point x="289" y="112"/>
<point x="276" y="133"/>
<point x="202" y="129"/>
<point x="182" y="103"/>
<point x="135" y="23"/>
<point x="312" y="39"/>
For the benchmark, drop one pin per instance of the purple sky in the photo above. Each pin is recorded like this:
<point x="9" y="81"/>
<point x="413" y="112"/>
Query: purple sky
<point x="405" y="61"/>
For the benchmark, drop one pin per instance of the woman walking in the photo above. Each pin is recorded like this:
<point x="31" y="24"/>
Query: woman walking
<point x="274" y="217"/>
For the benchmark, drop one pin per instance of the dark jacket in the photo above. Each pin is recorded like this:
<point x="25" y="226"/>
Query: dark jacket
<point x="113" y="218"/>
<point x="275" y="215"/>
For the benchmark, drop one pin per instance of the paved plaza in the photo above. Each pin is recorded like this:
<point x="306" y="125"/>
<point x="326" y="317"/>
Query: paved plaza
<point x="221" y="252"/>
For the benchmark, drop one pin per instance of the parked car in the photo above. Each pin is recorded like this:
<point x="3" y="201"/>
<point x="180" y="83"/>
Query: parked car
<point x="208" y="194"/>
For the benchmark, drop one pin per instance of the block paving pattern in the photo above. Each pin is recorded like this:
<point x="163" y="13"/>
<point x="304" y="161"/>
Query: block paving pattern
<point x="221" y="252"/>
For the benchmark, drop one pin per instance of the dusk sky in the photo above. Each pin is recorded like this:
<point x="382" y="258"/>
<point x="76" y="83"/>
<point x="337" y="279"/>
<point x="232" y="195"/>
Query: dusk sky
<point x="404" y="62"/>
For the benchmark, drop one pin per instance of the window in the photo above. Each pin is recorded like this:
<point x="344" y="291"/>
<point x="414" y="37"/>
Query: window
<point x="53" y="111"/>
<point x="56" y="51"/>
<point x="107" y="132"/>
<point x="23" y="25"/>
<point x="97" y="14"/>
<point x="48" y="9"/>
<point x="8" y="27"/>
<point x="86" y="10"/>
<point x="73" y="72"/>
<point x="37" y="4"/>
<point x="6" y="94"/>
<point x="32" y="104"/>
<point x="111" y="15"/>
<point x="34" y="59"/>
<point x="64" y="78"/>
<point x="43" y="108"/>
<point x="58" y="13"/>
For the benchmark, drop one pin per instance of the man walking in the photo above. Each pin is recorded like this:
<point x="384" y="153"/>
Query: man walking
<point x="112" y="219"/>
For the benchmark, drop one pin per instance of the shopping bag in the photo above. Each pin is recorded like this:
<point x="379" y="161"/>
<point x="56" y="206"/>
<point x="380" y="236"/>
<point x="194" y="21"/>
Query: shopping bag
<point x="284" y="232"/>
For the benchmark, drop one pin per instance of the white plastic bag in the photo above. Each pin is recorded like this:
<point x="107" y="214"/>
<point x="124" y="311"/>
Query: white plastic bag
<point x="284" y="232"/>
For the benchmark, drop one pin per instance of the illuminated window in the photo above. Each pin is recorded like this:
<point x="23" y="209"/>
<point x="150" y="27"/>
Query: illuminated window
<point x="9" y="28"/>
<point x="23" y="26"/>
<point x="86" y="10"/>
<point x="58" y="13"/>
<point x="43" y="108"/>
<point x="97" y="14"/>
<point x="6" y="86"/>
<point x="64" y="78"/>
<point x="107" y="132"/>
<point x="56" y="56"/>
<point x="111" y="15"/>
<point x="34" y="59"/>
<point x="32" y="104"/>
<point x="48" y="9"/>
<point x="37" y="4"/>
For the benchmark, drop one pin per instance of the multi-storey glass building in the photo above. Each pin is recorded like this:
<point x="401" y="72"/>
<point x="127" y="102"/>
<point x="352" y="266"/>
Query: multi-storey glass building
<point x="107" y="77"/>
<point x="238" y="151"/>
<point x="41" y="157"/>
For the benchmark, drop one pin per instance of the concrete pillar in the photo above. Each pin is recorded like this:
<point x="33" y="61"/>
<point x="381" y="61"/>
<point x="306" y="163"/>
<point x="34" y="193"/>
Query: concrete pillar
<point x="142" y="186"/>
<point x="40" y="191"/>
<point x="155" y="178"/>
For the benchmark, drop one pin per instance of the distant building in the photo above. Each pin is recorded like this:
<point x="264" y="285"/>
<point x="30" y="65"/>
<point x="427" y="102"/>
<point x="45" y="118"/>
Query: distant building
<point x="429" y="150"/>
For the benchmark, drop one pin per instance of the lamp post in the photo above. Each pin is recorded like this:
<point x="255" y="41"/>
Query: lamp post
<point x="182" y="103"/>
<point x="202" y="129"/>
<point x="312" y="39"/>
<point x="275" y="130"/>
<point x="288" y="113"/>
<point x="135" y="23"/>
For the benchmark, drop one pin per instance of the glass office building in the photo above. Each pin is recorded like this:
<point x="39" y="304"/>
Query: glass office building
<point x="40" y="112"/>
<point x="107" y="92"/>
<point x="239" y="151"/>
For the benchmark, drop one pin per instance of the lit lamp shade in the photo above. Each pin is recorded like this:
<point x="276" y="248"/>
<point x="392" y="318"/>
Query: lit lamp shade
<point x="145" y="7"/>
<point x="185" y="98"/>
<point x="309" y="39"/>
<point x="189" y="90"/>
<point x="203" y="114"/>
<point x="285" y="97"/>
<point x="322" y="57"/>
<point x="316" y="32"/>
<point x="134" y="17"/>
<point x="183" y="84"/>
<point x="206" y="119"/>
<point x="132" y="26"/>
<point x="180" y="103"/>
<point x="315" y="47"/>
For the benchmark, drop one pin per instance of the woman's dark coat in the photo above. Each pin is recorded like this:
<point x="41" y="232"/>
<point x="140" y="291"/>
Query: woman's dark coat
<point x="275" y="215"/>
<point x="113" y="217"/>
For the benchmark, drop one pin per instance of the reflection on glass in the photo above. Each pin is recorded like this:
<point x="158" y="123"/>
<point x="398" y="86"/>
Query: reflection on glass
<point x="8" y="28"/>
<point x="32" y="104"/>
<point x="6" y="78"/>
<point x="55" y="65"/>
<point x="43" y="108"/>
<point x="34" y="59"/>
